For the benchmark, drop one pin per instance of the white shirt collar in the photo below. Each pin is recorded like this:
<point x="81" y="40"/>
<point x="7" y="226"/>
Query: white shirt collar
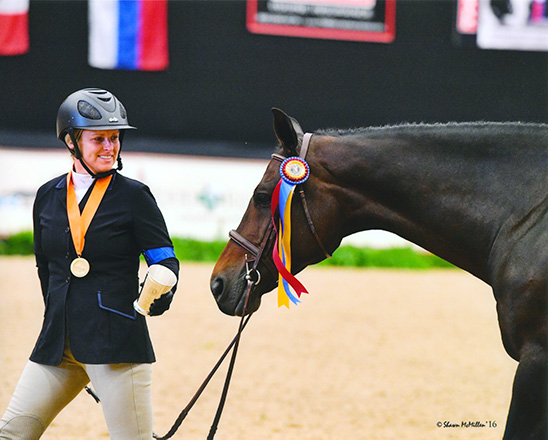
<point x="82" y="182"/>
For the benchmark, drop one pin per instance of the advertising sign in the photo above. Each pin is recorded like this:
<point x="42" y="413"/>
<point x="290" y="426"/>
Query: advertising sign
<point x="201" y="198"/>
<point x="504" y="24"/>
<point x="357" y="20"/>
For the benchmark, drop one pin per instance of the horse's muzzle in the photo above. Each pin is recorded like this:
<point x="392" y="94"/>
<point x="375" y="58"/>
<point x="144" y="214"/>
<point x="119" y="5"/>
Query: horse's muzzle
<point x="223" y="300"/>
<point x="230" y="297"/>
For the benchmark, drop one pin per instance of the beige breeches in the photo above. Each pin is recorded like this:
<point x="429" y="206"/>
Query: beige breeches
<point x="43" y="391"/>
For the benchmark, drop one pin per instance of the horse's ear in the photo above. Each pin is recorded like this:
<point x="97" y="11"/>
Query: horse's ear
<point x="287" y="131"/>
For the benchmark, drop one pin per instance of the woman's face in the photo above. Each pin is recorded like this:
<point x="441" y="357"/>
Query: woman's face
<point x="99" y="150"/>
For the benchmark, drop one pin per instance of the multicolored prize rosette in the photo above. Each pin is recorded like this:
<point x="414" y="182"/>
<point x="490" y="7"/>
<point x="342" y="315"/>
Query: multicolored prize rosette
<point x="293" y="171"/>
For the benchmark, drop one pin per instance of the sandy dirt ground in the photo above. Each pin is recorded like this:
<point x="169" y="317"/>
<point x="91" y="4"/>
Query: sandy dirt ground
<point x="369" y="354"/>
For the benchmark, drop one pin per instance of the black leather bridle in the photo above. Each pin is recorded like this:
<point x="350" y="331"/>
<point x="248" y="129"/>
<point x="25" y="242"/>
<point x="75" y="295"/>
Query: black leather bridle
<point x="270" y="234"/>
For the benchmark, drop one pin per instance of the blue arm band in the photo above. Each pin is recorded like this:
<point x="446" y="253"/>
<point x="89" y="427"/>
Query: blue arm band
<point x="153" y="256"/>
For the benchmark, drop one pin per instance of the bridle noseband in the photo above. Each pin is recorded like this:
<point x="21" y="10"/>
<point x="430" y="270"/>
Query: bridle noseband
<point x="270" y="233"/>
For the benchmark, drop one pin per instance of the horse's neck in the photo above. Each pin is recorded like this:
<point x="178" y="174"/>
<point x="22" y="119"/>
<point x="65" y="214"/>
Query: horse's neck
<point x="445" y="195"/>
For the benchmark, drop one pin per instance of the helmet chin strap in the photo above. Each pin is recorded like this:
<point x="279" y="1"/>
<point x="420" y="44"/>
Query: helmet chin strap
<point x="78" y="155"/>
<point x="104" y="173"/>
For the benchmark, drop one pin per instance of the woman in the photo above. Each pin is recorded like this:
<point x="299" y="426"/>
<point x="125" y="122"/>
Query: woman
<point x="90" y="227"/>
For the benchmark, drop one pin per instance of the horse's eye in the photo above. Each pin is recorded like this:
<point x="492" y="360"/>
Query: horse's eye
<point x="262" y="199"/>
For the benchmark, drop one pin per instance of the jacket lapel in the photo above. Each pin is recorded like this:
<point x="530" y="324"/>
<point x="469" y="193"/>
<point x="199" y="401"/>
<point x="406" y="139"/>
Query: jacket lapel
<point x="61" y="194"/>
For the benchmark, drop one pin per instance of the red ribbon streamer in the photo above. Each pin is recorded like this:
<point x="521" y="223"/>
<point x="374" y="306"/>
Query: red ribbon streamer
<point x="293" y="282"/>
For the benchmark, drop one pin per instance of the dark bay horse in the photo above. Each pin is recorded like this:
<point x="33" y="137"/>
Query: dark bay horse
<point x="475" y="194"/>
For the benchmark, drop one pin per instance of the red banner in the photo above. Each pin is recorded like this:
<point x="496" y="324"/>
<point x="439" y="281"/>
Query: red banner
<point x="14" y="27"/>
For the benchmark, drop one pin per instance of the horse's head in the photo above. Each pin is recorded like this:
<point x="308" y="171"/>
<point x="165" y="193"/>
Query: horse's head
<point x="251" y="244"/>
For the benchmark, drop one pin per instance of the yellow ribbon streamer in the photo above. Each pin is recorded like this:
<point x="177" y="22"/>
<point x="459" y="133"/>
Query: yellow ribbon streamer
<point x="285" y="246"/>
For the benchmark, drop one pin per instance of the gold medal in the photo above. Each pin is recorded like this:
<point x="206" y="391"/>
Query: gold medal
<point x="79" y="223"/>
<point x="79" y="267"/>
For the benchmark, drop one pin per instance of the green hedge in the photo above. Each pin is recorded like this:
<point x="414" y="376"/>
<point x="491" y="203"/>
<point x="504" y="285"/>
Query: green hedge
<point x="195" y="250"/>
<point x="187" y="249"/>
<point x="17" y="244"/>
<point x="403" y="258"/>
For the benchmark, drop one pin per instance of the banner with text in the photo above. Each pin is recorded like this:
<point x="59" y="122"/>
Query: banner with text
<point x="358" y="20"/>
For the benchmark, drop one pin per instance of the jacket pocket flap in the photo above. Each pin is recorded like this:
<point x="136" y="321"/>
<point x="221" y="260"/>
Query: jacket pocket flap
<point x="116" y="305"/>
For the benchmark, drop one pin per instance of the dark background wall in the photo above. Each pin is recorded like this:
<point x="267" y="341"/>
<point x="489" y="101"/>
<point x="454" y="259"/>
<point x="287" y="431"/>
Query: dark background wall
<point x="216" y="96"/>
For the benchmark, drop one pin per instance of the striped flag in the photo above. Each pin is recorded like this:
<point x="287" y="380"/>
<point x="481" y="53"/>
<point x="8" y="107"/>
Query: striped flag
<point x="128" y="34"/>
<point x="14" y="27"/>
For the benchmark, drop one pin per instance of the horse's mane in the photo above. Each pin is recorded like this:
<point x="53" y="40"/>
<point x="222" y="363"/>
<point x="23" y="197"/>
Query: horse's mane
<point x="423" y="128"/>
<point x="437" y="130"/>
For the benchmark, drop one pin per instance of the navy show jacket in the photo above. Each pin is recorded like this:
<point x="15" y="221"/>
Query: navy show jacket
<point x="95" y="313"/>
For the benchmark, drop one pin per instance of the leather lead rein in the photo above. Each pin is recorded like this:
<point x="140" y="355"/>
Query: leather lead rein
<point x="235" y="343"/>
<point x="257" y="253"/>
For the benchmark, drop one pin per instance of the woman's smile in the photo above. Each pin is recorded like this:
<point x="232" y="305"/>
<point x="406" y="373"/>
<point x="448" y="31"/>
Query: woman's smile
<point x="99" y="149"/>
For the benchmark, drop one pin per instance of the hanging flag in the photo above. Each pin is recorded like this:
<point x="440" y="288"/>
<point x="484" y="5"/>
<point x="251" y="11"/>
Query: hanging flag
<point x="14" y="27"/>
<point x="128" y="34"/>
<point x="293" y="171"/>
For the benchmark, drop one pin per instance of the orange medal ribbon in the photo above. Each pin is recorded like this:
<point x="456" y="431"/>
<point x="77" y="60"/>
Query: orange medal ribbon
<point x="79" y="223"/>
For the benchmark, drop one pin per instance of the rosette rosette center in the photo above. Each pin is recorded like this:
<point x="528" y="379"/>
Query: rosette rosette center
<point x="294" y="170"/>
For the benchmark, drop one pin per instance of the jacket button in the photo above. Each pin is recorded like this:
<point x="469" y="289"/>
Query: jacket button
<point x="67" y="230"/>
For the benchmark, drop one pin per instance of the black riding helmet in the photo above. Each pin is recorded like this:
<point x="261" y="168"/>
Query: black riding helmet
<point x="91" y="109"/>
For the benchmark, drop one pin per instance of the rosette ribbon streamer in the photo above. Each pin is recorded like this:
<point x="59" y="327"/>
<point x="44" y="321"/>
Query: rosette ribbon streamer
<point x="294" y="171"/>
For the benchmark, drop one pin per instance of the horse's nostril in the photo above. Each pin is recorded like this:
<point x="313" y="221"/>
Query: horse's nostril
<point x="217" y="287"/>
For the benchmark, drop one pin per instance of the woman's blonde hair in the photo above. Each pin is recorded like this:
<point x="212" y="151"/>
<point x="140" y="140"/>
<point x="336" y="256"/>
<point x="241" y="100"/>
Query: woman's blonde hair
<point x="77" y="136"/>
